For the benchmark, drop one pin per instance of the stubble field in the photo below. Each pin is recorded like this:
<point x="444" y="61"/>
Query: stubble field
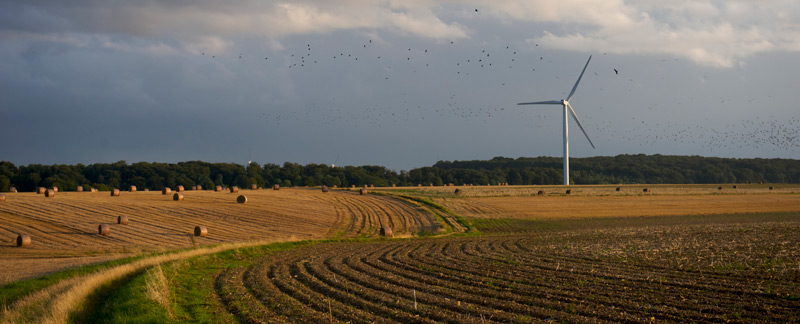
<point x="64" y="228"/>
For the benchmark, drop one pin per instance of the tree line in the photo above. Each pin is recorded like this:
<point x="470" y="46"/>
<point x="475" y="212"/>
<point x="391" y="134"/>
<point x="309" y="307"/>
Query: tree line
<point x="624" y="169"/>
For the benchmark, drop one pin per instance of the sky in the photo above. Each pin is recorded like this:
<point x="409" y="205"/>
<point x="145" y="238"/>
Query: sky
<point x="402" y="84"/>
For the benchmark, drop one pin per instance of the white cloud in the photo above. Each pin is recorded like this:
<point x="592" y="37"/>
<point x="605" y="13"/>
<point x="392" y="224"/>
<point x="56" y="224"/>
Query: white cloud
<point x="712" y="33"/>
<point x="720" y="33"/>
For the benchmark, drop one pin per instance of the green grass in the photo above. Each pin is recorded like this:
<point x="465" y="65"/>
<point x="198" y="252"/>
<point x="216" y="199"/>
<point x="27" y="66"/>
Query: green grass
<point x="121" y="302"/>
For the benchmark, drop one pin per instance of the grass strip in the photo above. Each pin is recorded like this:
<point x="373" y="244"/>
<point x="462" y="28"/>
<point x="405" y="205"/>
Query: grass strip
<point x="191" y="281"/>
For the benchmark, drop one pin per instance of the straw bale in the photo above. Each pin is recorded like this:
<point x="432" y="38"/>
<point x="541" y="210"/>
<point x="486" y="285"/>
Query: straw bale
<point x="200" y="231"/>
<point x="103" y="229"/>
<point x="23" y="240"/>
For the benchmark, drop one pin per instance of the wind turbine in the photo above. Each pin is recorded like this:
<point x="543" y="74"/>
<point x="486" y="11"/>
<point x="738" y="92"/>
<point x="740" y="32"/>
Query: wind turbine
<point x="567" y="106"/>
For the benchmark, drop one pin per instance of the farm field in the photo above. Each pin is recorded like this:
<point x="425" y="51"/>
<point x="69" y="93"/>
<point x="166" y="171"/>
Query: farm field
<point x="672" y="254"/>
<point x="64" y="229"/>
<point x="719" y="269"/>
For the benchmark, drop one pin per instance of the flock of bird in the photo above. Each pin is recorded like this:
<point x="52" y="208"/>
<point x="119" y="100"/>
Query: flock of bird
<point x="388" y="68"/>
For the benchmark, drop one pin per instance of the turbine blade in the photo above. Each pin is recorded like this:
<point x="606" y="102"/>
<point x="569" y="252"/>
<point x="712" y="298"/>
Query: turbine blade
<point x="549" y="102"/>
<point x="579" y="79"/>
<point x="575" y="116"/>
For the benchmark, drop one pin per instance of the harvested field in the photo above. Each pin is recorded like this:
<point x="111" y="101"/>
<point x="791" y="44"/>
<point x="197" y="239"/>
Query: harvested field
<point x="629" y="270"/>
<point x="561" y="207"/>
<point x="66" y="227"/>
<point x="595" y="190"/>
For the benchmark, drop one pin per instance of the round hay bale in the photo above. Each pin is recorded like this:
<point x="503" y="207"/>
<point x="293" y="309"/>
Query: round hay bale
<point x="335" y="186"/>
<point x="386" y="231"/>
<point x="365" y="186"/>
<point x="2" y="197"/>
<point x="122" y="220"/>
<point x="540" y="193"/>
<point x="569" y="191"/>
<point x="93" y="190"/>
<point x="241" y="199"/>
<point x="13" y="189"/>
<point x="104" y="229"/>
<point x="458" y="191"/>
<point x="419" y="185"/>
<point x="179" y="188"/>
<point x="234" y="189"/>
<point x="146" y="189"/>
<point x="166" y="191"/>
<point x="353" y="186"/>
<point x="254" y="187"/>
<point x="23" y="240"/>
<point x="50" y="193"/>
<point x="79" y="188"/>
<point x="644" y="190"/>
<point x="200" y="231"/>
<point x="276" y="187"/>
<point x="115" y="193"/>
<point x="363" y="191"/>
<point x="199" y="187"/>
<point x="217" y="188"/>
<point x="55" y="189"/>
<point x="177" y="196"/>
<point x="619" y="189"/>
<point x="132" y="189"/>
<point x="40" y="190"/>
<point x="324" y="188"/>
<point x="393" y="185"/>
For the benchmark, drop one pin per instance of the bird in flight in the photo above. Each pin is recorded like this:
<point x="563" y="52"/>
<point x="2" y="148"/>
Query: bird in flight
<point x="615" y="71"/>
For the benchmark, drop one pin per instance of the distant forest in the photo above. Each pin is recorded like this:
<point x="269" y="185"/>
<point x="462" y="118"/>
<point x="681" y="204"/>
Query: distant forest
<point x="625" y="169"/>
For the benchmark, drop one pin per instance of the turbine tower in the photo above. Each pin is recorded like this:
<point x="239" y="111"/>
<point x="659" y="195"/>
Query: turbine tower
<point x="567" y="106"/>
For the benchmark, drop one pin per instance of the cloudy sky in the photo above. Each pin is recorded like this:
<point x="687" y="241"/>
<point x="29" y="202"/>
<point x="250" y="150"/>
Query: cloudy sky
<point x="396" y="83"/>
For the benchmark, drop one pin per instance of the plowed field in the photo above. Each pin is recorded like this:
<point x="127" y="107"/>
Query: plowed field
<point x="64" y="228"/>
<point x="723" y="269"/>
